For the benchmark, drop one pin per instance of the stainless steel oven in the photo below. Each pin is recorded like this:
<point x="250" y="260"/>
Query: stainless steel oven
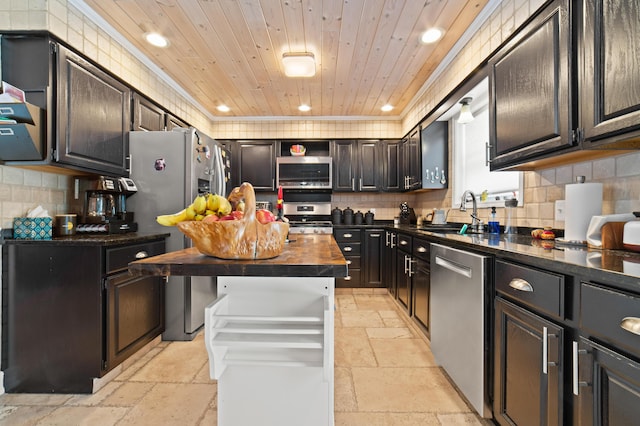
<point x="309" y="212"/>
<point x="304" y="172"/>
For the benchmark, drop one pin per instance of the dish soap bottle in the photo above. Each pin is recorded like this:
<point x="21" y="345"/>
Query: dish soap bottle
<point x="494" y="225"/>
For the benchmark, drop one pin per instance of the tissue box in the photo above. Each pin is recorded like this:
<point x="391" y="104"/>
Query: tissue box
<point x="32" y="228"/>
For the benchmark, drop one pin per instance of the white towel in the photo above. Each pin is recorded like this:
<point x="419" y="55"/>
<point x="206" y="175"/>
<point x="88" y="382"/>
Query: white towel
<point x="594" y="232"/>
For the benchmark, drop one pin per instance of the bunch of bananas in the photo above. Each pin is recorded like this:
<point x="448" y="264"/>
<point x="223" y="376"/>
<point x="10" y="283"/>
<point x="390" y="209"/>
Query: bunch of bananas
<point x="202" y="206"/>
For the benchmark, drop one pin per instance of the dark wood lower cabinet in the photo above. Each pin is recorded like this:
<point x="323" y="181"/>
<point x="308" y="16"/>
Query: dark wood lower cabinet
<point x="389" y="262"/>
<point x="421" y="287"/>
<point x="71" y="312"/>
<point x="528" y="390"/>
<point x="372" y="258"/>
<point x="607" y="386"/>
<point x="403" y="279"/>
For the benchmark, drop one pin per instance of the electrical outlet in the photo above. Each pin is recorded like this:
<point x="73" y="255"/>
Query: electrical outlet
<point x="559" y="210"/>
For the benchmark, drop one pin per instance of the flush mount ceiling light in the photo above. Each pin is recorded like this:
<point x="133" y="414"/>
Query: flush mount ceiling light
<point x="386" y="107"/>
<point x="223" y="108"/>
<point x="465" y="111"/>
<point x="304" y="108"/>
<point x="156" y="39"/>
<point x="431" y="35"/>
<point x="302" y="64"/>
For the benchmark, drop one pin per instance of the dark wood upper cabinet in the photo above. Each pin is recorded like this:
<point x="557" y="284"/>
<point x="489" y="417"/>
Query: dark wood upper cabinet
<point x="344" y="165"/>
<point x="369" y="165"/>
<point x="411" y="160"/>
<point x="254" y="162"/>
<point x="531" y="96"/>
<point x="146" y="114"/>
<point x="434" y="142"/>
<point x="610" y="77"/>
<point x="391" y="166"/>
<point x="172" y="122"/>
<point x="94" y="111"/>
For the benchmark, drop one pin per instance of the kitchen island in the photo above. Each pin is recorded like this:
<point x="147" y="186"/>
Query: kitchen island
<point x="269" y="333"/>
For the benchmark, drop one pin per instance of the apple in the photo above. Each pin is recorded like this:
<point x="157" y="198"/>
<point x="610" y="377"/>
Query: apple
<point x="237" y="214"/>
<point x="265" y="216"/>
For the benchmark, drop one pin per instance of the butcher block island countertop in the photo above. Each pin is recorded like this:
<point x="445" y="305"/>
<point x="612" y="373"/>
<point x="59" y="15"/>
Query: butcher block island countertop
<point x="269" y="333"/>
<point x="303" y="256"/>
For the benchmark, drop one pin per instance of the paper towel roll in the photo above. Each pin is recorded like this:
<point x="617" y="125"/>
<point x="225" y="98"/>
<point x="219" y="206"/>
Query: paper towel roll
<point x="582" y="201"/>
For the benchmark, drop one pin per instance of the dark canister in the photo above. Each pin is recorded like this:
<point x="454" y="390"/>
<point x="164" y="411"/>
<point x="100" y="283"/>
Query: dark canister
<point x="336" y="216"/>
<point x="358" y="217"/>
<point x="347" y="216"/>
<point x="368" y="218"/>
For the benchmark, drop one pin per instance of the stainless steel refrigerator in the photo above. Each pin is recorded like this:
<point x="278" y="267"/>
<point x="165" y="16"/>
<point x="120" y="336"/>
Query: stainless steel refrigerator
<point x="170" y="169"/>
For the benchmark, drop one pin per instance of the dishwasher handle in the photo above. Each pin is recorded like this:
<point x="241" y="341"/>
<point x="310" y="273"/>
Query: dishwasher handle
<point x="453" y="266"/>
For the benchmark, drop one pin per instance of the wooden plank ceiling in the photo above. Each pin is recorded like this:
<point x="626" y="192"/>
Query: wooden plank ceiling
<point x="368" y="52"/>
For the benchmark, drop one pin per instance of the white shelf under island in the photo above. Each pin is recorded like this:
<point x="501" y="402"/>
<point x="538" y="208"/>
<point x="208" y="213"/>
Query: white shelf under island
<point x="269" y="333"/>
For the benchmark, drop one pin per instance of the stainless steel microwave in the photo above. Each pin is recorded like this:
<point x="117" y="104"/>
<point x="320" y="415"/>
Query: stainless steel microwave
<point x="304" y="172"/>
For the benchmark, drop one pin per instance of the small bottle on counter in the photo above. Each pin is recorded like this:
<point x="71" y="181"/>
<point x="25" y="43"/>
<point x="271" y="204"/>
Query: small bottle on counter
<point x="493" y="224"/>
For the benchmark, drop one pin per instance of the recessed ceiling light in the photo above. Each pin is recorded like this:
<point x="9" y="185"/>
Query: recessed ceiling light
<point x="431" y="35"/>
<point x="156" y="39"/>
<point x="223" y="108"/>
<point x="386" y="107"/>
<point x="302" y="64"/>
<point x="304" y="108"/>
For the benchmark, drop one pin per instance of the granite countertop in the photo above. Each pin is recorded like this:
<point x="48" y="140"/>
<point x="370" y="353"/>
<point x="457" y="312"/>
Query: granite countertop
<point x="94" y="239"/>
<point x="595" y="263"/>
<point x="306" y="255"/>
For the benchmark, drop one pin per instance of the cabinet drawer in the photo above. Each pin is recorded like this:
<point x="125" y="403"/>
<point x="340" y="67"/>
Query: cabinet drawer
<point x="541" y="290"/>
<point x="353" y="262"/>
<point x="118" y="258"/>
<point x="351" y="280"/>
<point x="612" y="316"/>
<point x="422" y="249"/>
<point x="343" y="235"/>
<point x="404" y="243"/>
<point x="350" y="249"/>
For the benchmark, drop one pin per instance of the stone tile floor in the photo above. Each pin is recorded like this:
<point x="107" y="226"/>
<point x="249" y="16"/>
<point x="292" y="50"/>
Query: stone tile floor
<point x="385" y="375"/>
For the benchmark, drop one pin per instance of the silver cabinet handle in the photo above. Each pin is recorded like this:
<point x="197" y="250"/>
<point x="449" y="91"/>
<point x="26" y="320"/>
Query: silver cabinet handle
<point x="487" y="154"/>
<point x="375" y="235"/>
<point x="348" y="278"/>
<point x="406" y="264"/>
<point x="422" y="249"/>
<point x="348" y="248"/>
<point x="576" y="379"/>
<point x="545" y="350"/>
<point x="141" y="254"/>
<point x="348" y="262"/>
<point x="403" y="242"/>
<point x="360" y="189"/>
<point x="631" y="324"/>
<point x="393" y="244"/>
<point x="353" y="184"/>
<point x="520" y="284"/>
<point x="348" y="235"/>
<point x="5" y="131"/>
<point x="386" y="238"/>
<point x="411" y="262"/>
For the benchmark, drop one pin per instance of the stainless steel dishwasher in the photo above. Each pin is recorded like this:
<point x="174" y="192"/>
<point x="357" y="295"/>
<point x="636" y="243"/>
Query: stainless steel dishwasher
<point x="460" y="321"/>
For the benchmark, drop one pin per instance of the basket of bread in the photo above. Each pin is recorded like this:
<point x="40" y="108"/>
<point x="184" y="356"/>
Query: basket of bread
<point x="230" y="228"/>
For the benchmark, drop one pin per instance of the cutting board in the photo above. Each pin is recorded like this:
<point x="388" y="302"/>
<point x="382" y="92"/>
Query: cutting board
<point x="612" y="233"/>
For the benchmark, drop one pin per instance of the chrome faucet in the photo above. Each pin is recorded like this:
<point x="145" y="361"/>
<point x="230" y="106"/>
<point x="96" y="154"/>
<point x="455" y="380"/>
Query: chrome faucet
<point x="476" y="223"/>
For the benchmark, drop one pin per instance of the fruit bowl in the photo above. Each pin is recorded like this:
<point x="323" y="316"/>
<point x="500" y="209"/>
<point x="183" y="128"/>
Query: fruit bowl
<point x="246" y="238"/>
<point x="297" y="150"/>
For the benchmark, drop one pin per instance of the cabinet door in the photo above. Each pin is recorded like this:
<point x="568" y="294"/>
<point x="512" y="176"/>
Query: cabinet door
<point x="403" y="279"/>
<point x="147" y="115"/>
<point x="421" y="283"/>
<point x="94" y="111"/>
<point x="434" y="141"/>
<point x="607" y="386"/>
<point x="255" y="163"/>
<point x="389" y="262"/>
<point x="411" y="161"/>
<point x="528" y="380"/>
<point x="344" y="166"/>
<point x="134" y="314"/>
<point x="369" y="166"/>
<point x="172" y="122"/>
<point x="372" y="259"/>
<point x="610" y="77"/>
<point x="530" y="100"/>
<point x="391" y="166"/>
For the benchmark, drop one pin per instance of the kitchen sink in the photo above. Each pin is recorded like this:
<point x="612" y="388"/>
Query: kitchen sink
<point x="440" y="228"/>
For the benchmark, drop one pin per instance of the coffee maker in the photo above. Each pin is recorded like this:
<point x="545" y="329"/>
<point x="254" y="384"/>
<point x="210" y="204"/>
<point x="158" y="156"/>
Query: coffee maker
<point x="105" y="205"/>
